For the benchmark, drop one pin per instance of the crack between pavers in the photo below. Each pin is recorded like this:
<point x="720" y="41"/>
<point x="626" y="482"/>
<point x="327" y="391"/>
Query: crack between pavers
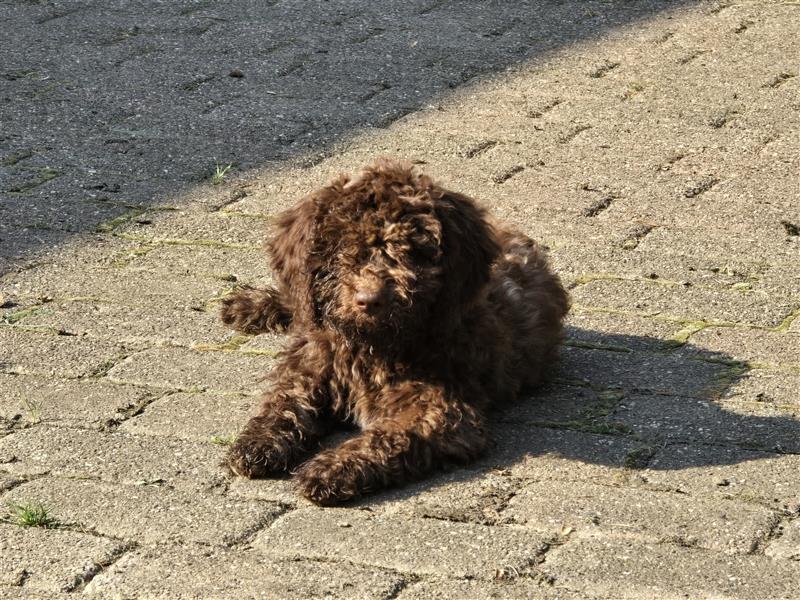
<point x="479" y="148"/>
<point x="531" y="568"/>
<point x="414" y="576"/>
<point x="508" y="174"/>
<point x="81" y="580"/>
<point x="783" y="327"/>
<point x="18" y="480"/>
<point x="772" y="533"/>
<point x="135" y="409"/>
<point x="266" y="522"/>
<point x="599" y="206"/>
<point x="185" y="242"/>
<point x="687" y="441"/>
<point x="405" y="582"/>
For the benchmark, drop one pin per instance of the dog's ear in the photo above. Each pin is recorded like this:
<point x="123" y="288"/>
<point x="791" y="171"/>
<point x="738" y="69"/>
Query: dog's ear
<point x="469" y="247"/>
<point x="289" y="247"/>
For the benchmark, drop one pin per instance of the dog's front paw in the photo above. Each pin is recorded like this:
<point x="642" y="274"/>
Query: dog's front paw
<point x="327" y="480"/>
<point x="255" y="458"/>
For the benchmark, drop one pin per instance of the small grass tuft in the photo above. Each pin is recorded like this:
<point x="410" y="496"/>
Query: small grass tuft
<point x="224" y="440"/>
<point x="32" y="515"/>
<point x="218" y="176"/>
<point x="34" y="410"/>
<point x="12" y="318"/>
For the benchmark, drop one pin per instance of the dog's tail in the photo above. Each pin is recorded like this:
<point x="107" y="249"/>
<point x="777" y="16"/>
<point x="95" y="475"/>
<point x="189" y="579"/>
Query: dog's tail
<point x="251" y="310"/>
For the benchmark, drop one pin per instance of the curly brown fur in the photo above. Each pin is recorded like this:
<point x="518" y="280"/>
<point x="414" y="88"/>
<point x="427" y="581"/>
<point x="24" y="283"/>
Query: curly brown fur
<point x="410" y="315"/>
<point x="255" y="311"/>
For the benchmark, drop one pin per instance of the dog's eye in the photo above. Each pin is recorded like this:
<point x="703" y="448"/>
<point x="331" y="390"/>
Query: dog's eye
<point x="424" y="253"/>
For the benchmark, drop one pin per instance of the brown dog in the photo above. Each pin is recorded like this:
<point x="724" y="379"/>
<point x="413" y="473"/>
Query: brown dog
<point x="409" y="315"/>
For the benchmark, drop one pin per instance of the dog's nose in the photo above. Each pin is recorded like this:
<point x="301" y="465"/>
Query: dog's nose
<point x="369" y="300"/>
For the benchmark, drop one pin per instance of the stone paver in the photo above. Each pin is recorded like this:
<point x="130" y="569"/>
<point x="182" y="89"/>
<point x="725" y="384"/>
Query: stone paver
<point x="652" y="146"/>
<point x="51" y="561"/>
<point x="727" y="472"/>
<point x="425" y="546"/>
<point x="49" y="355"/>
<point x="178" y="572"/>
<point x="145" y="513"/>
<point x="70" y="402"/>
<point x="206" y="416"/>
<point x="658" y="418"/>
<point x="195" y="370"/>
<point x="787" y="546"/>
<point x="661" y="516"/>
<point x="518" y="589"/>
<point x="621" y="567"/>
<point x="115" y="457"/>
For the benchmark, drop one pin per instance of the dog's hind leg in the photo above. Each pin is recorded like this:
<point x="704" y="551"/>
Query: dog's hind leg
<point x="254" y="311"/>
<point x="432" y="431"/>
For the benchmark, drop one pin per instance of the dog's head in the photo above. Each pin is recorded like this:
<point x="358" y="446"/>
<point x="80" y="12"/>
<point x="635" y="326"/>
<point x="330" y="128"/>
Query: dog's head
<point x="383" y="256"/>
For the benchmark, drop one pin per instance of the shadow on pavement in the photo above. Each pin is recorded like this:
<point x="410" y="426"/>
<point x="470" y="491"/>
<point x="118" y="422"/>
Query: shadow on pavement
<point x="112" y="106"/>
<point x="659" y="407"/>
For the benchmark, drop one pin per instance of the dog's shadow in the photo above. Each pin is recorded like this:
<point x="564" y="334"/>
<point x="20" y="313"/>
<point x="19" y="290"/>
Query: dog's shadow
<point x="625" y="404"/>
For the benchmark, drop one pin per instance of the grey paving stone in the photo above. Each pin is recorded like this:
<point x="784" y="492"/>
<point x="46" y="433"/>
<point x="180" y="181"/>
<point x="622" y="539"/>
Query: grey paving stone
<point x="717" y="524"/>
<point x="406" y="545"/>
<point x="727" y="472"/>
<point x="51" y="560"/>
<point x="640" y="371"/>
<point x="770" y="386"/>
<point x="146" y="514"/>
<point x="619" y="567"/>
<point x="112" y="457"/>
<point x="787" y="546"/>
<point x="464" y="495"/>
<point x="277" y="490"/>
<point x="7" y="482"/>
<point x="748" y="345"/>
<point x="736" y="257"/>
<point x="22" y="593"/>
<point x="268" y="344"/>
<point x="199" y="227"/>
<point x="184" y="369"/>
<point x="183" y="325"/>
<point x="227" y="264"/>
<point x="629" y="332"/>
<point x="195" y="572"/>
<point x="45" y="354"/>
<point x="127" y="286"/>
<point x="551" y="404"/>
<point x="692" y="303"/>
<point x="681" y="113"/>
<point x="202" y="417"/>
<point x="92" y="402"/>
<point x="658" y="418"/>
<point x="537" y="453"/>
<point x="521" y="589"/>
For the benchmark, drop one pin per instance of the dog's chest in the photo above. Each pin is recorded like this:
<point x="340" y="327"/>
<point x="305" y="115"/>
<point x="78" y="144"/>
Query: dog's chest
<point x="360" y="382"/>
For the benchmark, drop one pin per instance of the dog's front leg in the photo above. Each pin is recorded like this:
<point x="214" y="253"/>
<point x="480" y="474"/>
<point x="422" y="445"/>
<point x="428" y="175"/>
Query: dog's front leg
<point x="252" y="310"/>
<point x="418" y="428"/>
<point x="292" y="416"/>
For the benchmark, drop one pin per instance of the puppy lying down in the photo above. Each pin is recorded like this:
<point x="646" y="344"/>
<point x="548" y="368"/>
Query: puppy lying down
<point x="409" y="313"/>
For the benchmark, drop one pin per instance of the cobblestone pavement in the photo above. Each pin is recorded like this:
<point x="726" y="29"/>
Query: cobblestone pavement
<point x="653" y="146"/>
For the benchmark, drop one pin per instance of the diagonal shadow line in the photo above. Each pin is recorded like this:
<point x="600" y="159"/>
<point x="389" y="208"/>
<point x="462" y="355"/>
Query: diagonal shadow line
<point x="120" y="105"/>
<point x="605" y="408"/>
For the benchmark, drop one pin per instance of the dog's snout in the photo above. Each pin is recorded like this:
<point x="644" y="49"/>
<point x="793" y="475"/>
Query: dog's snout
<point x="369" y="299"/>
